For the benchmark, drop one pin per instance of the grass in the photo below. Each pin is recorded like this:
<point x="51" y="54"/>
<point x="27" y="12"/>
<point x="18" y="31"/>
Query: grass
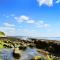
<point x="1" y="44"/>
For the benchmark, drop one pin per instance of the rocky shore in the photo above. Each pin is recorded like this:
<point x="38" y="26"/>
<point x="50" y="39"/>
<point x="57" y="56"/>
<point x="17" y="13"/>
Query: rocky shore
<point x="46" y="47"/>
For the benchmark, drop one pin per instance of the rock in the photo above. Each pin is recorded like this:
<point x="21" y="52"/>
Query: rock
<point x="16" y="53"/>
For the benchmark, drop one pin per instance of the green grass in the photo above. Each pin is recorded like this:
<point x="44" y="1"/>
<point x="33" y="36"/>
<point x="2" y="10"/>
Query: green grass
<point x="1" y="46"/>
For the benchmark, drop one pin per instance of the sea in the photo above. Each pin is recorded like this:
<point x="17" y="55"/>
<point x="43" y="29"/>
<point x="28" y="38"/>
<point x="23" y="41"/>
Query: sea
<point x="46" y="38"/>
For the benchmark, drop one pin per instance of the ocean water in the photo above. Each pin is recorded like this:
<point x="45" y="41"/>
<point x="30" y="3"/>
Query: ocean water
<point x="52" y="38"/>
<point x="6" y="54"/>
<point x="49" y="38"/>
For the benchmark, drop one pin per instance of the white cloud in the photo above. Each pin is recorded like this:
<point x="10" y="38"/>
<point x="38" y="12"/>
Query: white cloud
<point x="58" y="1"/>
<point x="45" y="2"/>
<point x="24" y="18"/>
<point x="11" y="31"/>
<point x="46" y="25"/>
<point x="41" y="24"/>
<point x="30" y="21"/>
<point x="9" y="25"/>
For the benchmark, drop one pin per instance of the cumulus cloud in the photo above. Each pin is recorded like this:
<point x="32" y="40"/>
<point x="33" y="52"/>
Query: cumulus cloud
<point x="27" y="19"/>
<point x="23" y="17"/>
<point x="45" y="2"/>
<point x="46" y="25"/>
<point x="41" y="24"/>
<point x="11" y="31"/>
<point x="30" y="21"/>
<point x="58" y="1"/>
<point x="9" y="25"/>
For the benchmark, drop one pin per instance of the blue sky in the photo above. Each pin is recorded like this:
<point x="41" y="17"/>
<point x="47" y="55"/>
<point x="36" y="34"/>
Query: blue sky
<point x="36" y="18"/>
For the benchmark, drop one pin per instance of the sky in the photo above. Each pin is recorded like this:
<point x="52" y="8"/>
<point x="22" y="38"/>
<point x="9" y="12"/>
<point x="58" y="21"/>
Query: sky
<point x="35" y="18"/>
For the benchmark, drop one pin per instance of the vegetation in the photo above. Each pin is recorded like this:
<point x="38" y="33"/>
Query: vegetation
<point x="2" y="34"/>
<point x="1" y="44"/>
